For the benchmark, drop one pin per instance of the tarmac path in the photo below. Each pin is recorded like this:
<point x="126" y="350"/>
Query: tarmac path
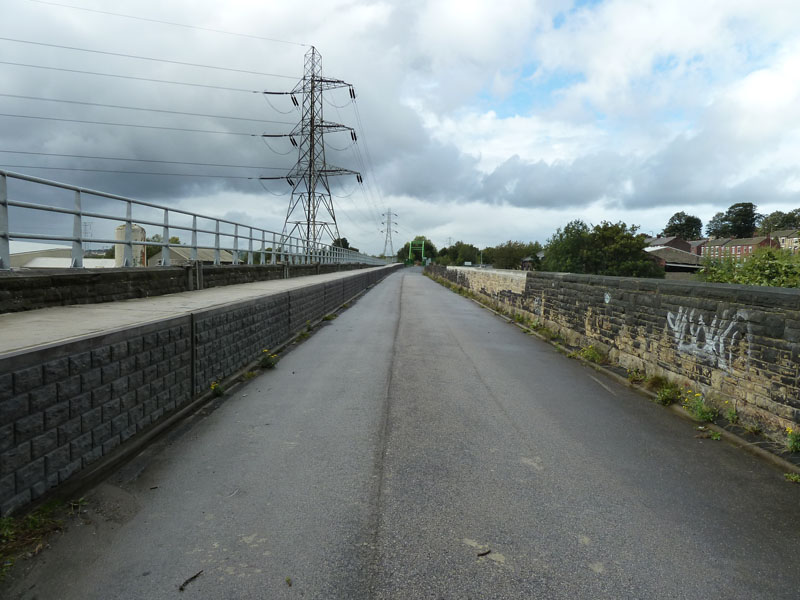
<point x="420" y="447"/>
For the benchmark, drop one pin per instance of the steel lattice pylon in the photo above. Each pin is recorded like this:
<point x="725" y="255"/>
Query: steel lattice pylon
<point x="388" y="241"/>
<point x="311" y="192"/>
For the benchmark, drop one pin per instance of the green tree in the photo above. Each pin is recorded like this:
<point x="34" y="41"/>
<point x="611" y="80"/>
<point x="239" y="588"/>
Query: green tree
<point x="739" y="221"/>
<point x="684" y="226"/>
<point x="606" y="249"/>
<point x="430" y="250"/>
<point x="464" y="253"/>
<point x="510" y="254"/>
<point x="743" y="219"/>
<point x="153" y="250"/>
<point x="718" y="227"/>
<point x="779" y="220"/>
<point x="766" y="266"/>
<point x="341" y="243"/>
<point x="567" y="249"/>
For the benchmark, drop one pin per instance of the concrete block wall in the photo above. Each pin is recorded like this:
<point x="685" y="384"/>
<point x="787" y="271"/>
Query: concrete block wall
<point x="31" y="289"/>
<point x="64" y="407"/>
<point x="228" y="338"/>
<point x="739" y="344"/>
<point x="67" y="406"/>
<point x="218" y="275"/>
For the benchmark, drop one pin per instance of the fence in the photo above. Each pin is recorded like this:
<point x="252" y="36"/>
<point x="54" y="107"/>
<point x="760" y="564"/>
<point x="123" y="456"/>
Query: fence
<point x="207" y="233"/>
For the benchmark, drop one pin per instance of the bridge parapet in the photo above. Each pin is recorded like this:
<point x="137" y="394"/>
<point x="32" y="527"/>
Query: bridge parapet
<point x="71" y="406"/>
<point x="739" y="344"/>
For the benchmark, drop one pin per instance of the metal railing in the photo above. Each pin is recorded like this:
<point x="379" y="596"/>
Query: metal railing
<point x="246" y="244"/>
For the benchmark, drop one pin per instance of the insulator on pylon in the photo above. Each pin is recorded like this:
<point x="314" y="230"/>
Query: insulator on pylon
<point x="352" y="93"/>
<point x="290" y="181"/>
<point x="294" y="141"/>
<point x="294" y="100"/>
<point x="353" y="135"/>
<point x="359" y="179"/>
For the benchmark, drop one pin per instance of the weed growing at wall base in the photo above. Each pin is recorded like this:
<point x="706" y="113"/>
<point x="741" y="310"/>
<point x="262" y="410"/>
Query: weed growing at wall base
<point x="668" y="394"/>
<point x="696" y="405"/>
<point x="268" y="361"/>
<point x="793" y="477"/>
<point x="636" y="376"/>
<point x="591" y="354"/>
<point x="217" y="389"/>
<point x="792" y="440"/>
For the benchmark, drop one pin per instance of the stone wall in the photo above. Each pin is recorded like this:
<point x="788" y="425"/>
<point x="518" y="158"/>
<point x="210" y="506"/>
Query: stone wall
<point x="65" y="407"/>
<point x="32" y="289"/>
<point x="739" y="344"/>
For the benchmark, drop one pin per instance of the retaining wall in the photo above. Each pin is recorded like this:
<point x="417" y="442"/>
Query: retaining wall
<point x="739" y="344"/>
<point x="67" y="406"/>
<point x="40" y="288"/>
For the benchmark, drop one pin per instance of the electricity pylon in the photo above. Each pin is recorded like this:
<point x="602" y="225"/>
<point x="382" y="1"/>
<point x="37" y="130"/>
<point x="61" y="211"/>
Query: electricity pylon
<point x="311" y="192"/>
<point x="388" y="242"/>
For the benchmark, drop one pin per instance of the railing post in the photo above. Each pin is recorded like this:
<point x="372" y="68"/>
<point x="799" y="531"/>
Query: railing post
<point x="194" y="238"/>
<point x="127" y="260"/>
<point x="165" y="252"/>
<point x="250" y="248"/>
<point x="216" y="244"/>
<point x="77" y="234"/>
<point x="274" y="249"/>
<point x="5" y="250"/>
<point x="236" y="244"/>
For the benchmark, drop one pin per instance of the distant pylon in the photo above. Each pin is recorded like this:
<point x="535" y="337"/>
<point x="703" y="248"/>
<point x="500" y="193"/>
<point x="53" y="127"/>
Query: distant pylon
<point x="388" y="222"/>
<point x="309" y="176"/>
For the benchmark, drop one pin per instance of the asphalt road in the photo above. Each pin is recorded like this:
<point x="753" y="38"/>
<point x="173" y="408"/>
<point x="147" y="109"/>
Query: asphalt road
<point x="420" y="447"/>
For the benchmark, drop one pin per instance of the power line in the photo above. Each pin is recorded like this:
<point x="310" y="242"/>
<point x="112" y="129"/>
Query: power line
<point x="163" y="60"/>
<point x="129" y="172"/>
<point x="130" y="125"/>
<point x="96" y="73"/>
<point x="166" y="162"/>
<point x="105" y="12"/>
<point x="157" y="110"/>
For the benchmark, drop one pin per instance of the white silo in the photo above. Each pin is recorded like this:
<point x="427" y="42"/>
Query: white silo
<point x="139" y="250"/>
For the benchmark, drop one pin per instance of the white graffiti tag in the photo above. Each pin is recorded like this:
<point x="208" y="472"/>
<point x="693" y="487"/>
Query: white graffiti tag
<point x="712" y="344"/>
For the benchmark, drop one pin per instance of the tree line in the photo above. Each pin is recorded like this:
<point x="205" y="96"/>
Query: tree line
<point x="741" y="220"/>
<point x="604" y="249"/>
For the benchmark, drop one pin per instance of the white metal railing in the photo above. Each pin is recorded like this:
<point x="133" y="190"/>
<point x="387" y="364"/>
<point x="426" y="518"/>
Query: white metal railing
<point x="244" y="242"/>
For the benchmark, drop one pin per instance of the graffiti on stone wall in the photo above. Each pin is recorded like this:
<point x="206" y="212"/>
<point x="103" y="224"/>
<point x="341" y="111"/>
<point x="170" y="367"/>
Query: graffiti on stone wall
<point x="537" y="306"/>
<point x="711" y="343"/>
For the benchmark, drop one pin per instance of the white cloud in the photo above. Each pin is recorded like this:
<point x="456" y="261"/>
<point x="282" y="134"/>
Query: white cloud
<point x="635" y="109"/>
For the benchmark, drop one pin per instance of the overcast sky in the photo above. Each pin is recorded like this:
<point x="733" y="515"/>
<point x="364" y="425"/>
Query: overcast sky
<point x="480" y="121"/>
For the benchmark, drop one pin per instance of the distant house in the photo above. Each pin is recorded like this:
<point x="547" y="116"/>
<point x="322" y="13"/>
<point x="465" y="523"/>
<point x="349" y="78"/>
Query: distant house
<point x="789" y="239"/>
<point x="677" y="264"/>
<point x="741" y="248"/>
<point x="713" y="248"/>
<point x="737" y="248"/>
<point x="179" y="255"/>
<point x="697" y="246"/>
<point x="669" y="242"/>
<point x="34" y="255"/>
<point x="527" y="263"/>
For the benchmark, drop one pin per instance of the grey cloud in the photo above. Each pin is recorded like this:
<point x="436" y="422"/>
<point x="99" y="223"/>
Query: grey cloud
<point x="560" y="184"/>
